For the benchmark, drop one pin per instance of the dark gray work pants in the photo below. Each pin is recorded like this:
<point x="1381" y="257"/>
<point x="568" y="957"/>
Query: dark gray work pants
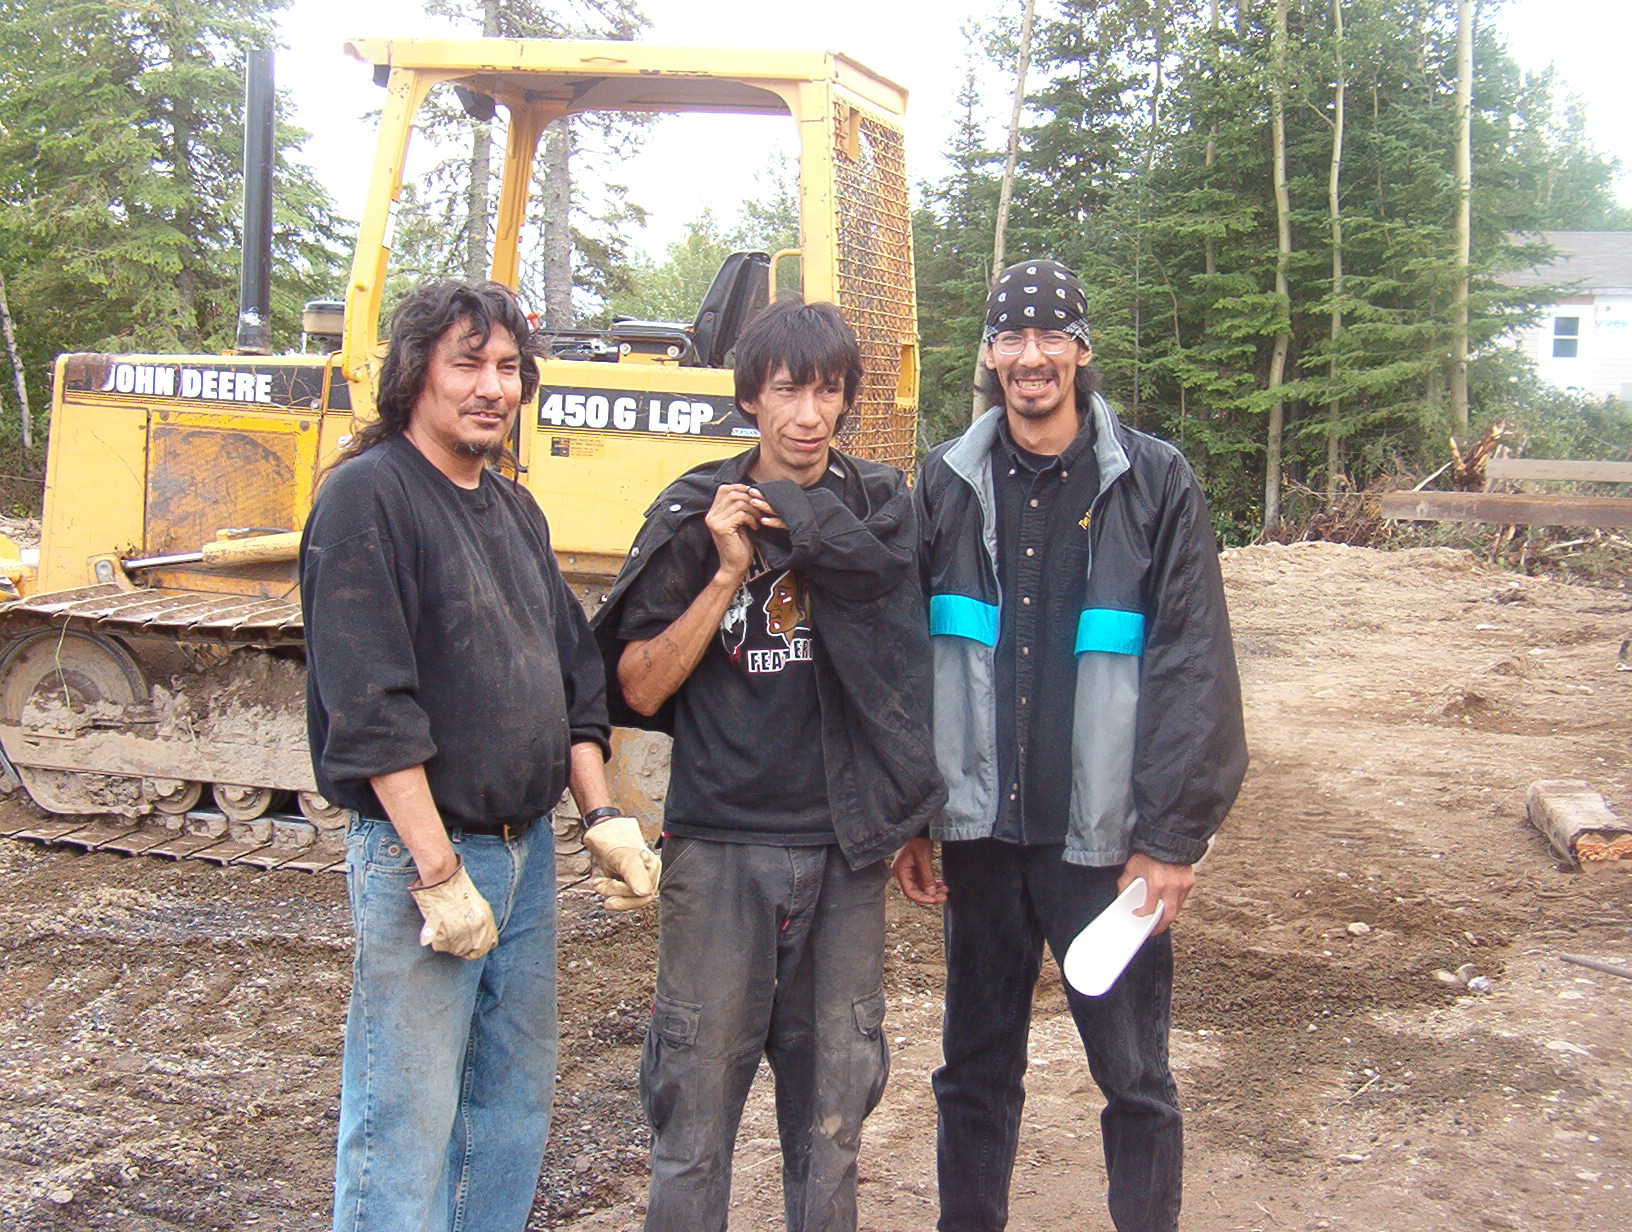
<point x="773" y="951"/>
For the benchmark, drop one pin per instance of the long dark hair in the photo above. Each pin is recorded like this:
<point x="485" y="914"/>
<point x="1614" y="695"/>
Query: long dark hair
<point x="419" y="323"/>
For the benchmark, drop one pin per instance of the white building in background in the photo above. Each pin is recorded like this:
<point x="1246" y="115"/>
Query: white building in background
<point x="1584" y="341"/>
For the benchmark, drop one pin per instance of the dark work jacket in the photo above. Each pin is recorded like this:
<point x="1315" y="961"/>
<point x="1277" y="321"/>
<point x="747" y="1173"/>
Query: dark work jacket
<point x="858" y="555"/>
<point x="1157" y="738"/>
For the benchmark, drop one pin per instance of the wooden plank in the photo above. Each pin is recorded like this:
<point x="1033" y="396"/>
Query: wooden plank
<point x="1605" y="512"/>
<point x="1558" y="470"/>
<point x="1579" y="825"/>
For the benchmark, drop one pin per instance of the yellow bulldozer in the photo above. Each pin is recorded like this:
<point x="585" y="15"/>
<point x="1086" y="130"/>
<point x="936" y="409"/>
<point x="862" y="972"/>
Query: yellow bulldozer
<point x="152" y="663"/>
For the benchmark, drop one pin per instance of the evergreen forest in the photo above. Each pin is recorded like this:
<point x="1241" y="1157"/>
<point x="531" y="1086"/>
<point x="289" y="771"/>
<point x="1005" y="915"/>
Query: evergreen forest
<point x="1263" y="198"/>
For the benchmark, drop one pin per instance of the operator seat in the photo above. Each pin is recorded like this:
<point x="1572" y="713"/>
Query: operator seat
<point x="735" y="297"/>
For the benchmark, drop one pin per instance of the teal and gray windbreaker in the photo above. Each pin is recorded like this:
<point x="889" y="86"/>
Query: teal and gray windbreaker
<point x="1159" y="747"/>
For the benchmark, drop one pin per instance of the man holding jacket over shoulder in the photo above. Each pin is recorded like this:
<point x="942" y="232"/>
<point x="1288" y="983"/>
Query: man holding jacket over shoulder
<point x="770" y="618"/>
<point x="1088" y="722"/>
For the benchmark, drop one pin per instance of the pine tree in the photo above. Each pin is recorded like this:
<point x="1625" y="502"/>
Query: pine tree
<point x="1147" y="166"/>
<point x="952" y="250"/>
<point x="121" y="138"/>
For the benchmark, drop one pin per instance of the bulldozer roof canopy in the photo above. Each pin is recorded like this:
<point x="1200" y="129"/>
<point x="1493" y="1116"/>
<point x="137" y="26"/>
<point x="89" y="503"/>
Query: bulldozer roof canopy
<point x="578" y="75"/>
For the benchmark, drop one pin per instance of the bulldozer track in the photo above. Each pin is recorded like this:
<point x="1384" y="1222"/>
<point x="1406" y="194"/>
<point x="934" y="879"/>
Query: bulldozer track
<point x="273" y="841"/>
<point x="186" y="615"/>
<point x="268" y="842"/>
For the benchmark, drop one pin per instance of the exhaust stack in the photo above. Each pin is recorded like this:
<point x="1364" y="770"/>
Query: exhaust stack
<point x="255" y="270"/>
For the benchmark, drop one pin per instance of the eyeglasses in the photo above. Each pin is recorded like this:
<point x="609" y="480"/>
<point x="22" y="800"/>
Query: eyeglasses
<point x="1052" y="343"/>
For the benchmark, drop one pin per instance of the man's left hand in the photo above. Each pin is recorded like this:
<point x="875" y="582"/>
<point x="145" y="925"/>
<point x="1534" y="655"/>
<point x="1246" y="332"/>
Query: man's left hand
<point x="620" y="852"/>
<point x="616" y="896"/>
<point x="1168" y="882"/>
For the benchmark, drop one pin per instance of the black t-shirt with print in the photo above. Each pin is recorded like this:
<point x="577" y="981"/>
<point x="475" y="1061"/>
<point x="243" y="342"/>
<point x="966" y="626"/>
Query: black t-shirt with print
<point x="747" y="765"/>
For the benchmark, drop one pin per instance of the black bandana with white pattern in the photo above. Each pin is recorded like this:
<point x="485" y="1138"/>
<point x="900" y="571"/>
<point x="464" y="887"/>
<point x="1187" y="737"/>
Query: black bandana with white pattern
<point x="1037" y="295"/>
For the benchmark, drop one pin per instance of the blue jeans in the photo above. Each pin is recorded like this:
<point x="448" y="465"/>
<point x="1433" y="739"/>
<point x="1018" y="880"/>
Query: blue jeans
<point x="1003" y="901"/>
<point x="449" y="1065"/>
<point x="775" y="952"/>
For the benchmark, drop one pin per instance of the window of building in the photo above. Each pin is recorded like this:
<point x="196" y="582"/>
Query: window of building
<point x="1566" y="337"/>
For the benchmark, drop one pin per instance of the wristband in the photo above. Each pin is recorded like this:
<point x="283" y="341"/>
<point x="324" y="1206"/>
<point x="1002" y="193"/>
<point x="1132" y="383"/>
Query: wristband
<point x="601" y="814"/>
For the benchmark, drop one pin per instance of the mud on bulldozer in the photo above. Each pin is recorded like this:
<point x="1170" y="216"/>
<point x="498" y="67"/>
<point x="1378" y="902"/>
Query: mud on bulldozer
<point x="152" y="668"/>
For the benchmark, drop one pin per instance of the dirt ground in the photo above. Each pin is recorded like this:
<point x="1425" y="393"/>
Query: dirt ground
<point x="170" y="1033"/>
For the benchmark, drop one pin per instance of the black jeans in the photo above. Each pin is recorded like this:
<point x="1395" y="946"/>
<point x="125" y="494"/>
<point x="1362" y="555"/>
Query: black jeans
<point x="1004" y="900"/>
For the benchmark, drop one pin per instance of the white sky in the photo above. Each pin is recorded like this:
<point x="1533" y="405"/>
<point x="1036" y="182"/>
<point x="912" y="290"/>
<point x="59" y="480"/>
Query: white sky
<point x="913" y="42"/>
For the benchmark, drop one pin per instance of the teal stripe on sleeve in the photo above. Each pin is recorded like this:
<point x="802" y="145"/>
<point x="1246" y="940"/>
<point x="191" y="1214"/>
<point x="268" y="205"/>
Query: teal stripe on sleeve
<point x="961" y="616"/>
<point x="1111" y="631"/>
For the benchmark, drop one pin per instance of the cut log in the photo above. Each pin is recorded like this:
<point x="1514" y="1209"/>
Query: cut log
<point x="1579" y="825"/>
<point x="1501" y="509"/>
<point x="1549" y="470"/>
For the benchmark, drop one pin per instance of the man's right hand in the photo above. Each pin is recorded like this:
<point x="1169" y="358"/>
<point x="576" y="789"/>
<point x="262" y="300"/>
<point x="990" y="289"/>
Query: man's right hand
<point x="729" y="519"/>
<point x="914" y="868"/>
<point x="458" y="920"/>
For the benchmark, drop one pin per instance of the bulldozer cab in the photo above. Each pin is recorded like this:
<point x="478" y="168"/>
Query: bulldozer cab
<point x="622" y="411"/>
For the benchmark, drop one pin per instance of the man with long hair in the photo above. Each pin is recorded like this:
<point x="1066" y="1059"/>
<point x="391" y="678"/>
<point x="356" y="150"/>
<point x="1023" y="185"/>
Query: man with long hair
<point x="453" y="692"/>
<point x="769" y="617"/>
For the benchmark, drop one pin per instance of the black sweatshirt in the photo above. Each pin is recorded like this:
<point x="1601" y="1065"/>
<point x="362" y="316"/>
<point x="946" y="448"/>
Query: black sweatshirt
<point x="439" y="631"/>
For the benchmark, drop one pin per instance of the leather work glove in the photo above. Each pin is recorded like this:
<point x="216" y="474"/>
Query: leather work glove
<point x="616" y="896"/>
<point x="629" y="868"/>
<point x="458" y="920"/>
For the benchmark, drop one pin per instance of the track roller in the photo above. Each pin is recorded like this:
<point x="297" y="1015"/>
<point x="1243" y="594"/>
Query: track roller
<point x="241" y="803"/>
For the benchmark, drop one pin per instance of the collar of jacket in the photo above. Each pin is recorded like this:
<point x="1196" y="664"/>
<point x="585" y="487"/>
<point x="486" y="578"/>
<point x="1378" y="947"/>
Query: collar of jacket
<point x="689" y="496"/>
<point x="693" y="492"/>
<point x="971" y="457"/>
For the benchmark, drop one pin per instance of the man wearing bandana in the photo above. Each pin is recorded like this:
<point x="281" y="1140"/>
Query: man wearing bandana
<point x="1088" y="724"/>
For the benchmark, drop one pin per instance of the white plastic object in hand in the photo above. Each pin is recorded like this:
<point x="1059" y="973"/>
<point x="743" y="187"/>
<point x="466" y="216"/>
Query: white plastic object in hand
<point x="1101" y="950"/>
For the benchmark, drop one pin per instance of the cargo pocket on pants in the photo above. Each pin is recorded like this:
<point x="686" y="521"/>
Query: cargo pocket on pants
<point x="666" y="1054"/>
<point x="873" y="1050"/>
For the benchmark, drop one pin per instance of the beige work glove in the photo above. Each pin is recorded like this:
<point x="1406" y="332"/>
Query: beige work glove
<point x="458" y="920"/>
<point x="629" y="868"/>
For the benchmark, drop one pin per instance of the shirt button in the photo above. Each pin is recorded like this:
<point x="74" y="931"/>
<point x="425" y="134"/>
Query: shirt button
<point x="675" y="508"/>
<point x="1011" y="795"/>
<point x="1011" y="470"/>
<point x="1025" y="650"/>
<point x="1034" y="502"/>
<point x="1031" y="551"/>
<point x="1025" y="600"/>
<point x="1022" y="701"/>
<point x="1065" y="474"/>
